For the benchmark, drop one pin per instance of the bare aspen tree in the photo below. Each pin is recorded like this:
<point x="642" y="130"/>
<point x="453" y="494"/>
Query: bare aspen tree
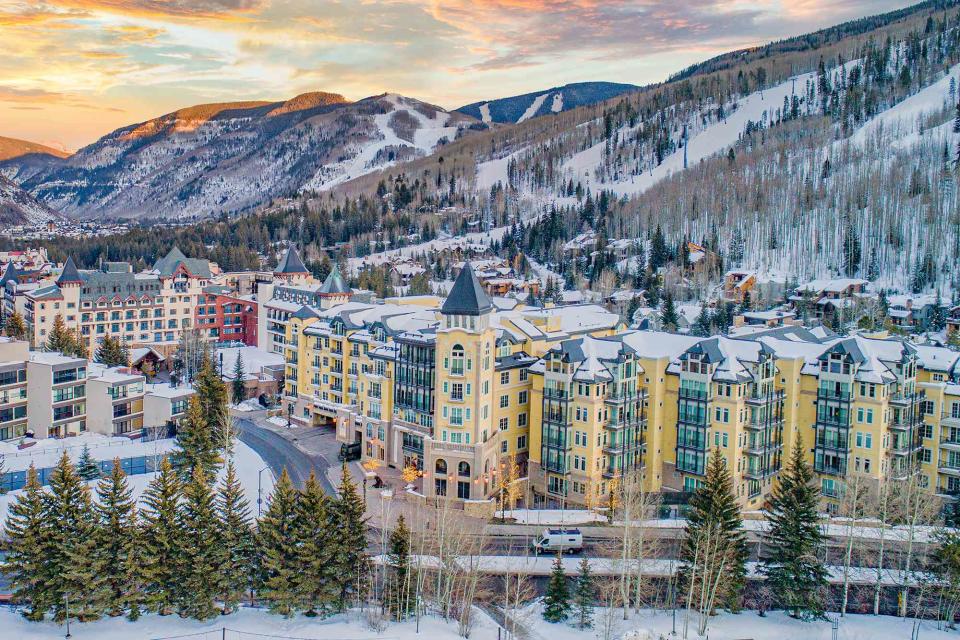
<point x="913" y="509"/>
<point x="881" y="511"/>
<point x="853" y="503"/>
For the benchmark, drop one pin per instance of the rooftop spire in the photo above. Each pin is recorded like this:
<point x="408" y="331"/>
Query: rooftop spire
<point x="291" y="263"/>
<point x="467" y="298"/>
<point x="69" y="275"/>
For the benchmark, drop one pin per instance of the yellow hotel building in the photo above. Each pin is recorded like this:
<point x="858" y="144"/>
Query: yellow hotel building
<point x="457" y="386"/>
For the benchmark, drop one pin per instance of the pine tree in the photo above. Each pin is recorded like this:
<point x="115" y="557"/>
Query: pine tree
<point x="28" y="560"/>
<point x="398" y="561"/>
<point x="794" y="542"/>
<point x="236" y="539"/>
<point x="316" y="538"/>
<point x="87" y="467"/>
<point x="160" y="540"/>
<point x="112" y="353"/>
<point x="201" y="554"/>
<point x="77" y="574"/>
<point x="118" y="543"/>
<point x="583" y="596"/>
<point x="60" y="338"/>
<point x="212" y="392"/>
<point x="701" y="326"/>
<point x="669" y="320"/>
<point x="556" y="602"/>
<point x="714" y="551"/>
<point x="15" y="327"/>
<point x="350" y="553"/>
<point x="196" y="441"/>
<point x="278" y="569"/>
<point x="238" y="386"/>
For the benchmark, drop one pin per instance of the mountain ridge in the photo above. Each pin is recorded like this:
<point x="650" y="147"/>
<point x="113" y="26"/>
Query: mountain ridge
<point x="518" y="108"/>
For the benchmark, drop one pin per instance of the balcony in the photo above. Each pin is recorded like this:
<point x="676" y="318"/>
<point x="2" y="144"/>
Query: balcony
<point x="905" y="399"/>
<point x="835" y="396"/>
<point x="949" y="470"/>
<point x="613" y="448"/>
<point x="694" y="394"/>
<point x="757" y="399"/>
<point x="556" y="394"/>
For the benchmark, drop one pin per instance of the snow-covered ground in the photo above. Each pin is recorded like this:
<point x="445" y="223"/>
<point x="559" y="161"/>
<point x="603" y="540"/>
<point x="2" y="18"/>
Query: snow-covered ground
<point x="242" y="625"/>
<point x="247" y="461"/>
<point x="46" y="452"/>
<point x="652" y="625"/>
<point x="533" y="108"/>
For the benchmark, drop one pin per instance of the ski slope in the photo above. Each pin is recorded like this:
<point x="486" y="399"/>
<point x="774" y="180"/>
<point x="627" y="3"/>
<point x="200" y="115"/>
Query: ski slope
<point x="533" y="108"/>
<point x="759" y="106"/>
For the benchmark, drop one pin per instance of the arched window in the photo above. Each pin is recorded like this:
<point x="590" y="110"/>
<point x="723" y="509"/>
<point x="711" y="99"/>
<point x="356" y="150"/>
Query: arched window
<point x="441" y="467"/>
<point x="456" y="360"/>
<point x="464" y="469"/>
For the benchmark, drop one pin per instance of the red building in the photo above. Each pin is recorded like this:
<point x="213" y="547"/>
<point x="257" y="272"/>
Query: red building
<point x="227" y="317"/>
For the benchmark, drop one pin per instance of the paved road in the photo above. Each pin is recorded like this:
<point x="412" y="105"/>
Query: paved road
<point x="280" y="453"/>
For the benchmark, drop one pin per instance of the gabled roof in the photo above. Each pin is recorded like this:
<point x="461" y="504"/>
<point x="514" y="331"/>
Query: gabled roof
<point x="467" y="298"/>
<point x="291" y="263"/>
<point x="167" y="265"/>
<point x="334" y="284"/>
<point x="69" y="273"/>
<point x="305" y="313"/>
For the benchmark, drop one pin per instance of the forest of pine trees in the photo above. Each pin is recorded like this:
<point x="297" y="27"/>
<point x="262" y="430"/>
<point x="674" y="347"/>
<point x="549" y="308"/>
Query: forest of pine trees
<point x="192" y="548"/>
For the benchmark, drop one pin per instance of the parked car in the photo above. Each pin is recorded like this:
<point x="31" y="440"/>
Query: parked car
<point x="349" y="452"/>
<point x="558" y="541"/>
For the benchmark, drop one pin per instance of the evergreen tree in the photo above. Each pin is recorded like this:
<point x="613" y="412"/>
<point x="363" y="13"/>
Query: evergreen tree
<point x="279" y="569"/>
<point x="77" y="575"/>
<point x="15" y="327"/>
<point x="583" y="596"/>
<point x="399" y="602"/>
<point x="316" y="538"/>
<point x="239" y="389"/>
<point x="60" y="338"/>
<point x="201" y="553"/>
<point x="669" y="320"/>
<point x="938" y="318"/>
<point x="112" y="353"/>
<point x="87" y="467"/>
<point x="556" y="602"/>
<point x="701" y="326"/>
<point x="873" y="269"/>
<point x="350" y="558"/>
<point x="659" y="253"/>
<point x="795" y="542"/>
<point x="851" y="248"/>
<point x="28" y="559"/>
<point x="159" y="539"/>
<point x="212" y="392"/>
<point x="118" y="543"/>
<point x="714" y="551"/>
<point x="196" y="441"/>
<point x="236" y="540"/>
<point x="632" y="308"/>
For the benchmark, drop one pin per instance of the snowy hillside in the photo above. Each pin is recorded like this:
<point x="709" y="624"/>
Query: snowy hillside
<point x="406" y="129"/>
<point x="19" y="207"/>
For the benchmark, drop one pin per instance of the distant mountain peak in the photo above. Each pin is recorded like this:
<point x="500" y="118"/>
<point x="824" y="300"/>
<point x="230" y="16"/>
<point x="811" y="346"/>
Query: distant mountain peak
<point x="14" y="148"/>
<point x="537" y="103"/>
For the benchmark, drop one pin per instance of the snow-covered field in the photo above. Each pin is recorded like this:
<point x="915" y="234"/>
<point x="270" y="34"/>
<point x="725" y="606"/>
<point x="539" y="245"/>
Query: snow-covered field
<point x="552" y="516"/>
<point x="242" y="625"/>
<point x="652" y="625"/>
<point x="247" y="461"/>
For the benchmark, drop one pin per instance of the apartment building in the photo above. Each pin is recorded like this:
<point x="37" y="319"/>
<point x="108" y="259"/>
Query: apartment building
<point x="13" y="388"/>
<point x="150" y="308"/>
<point x="115" y="400"/>
<point x="164" y="405"/>
<point x="443" y="385"/>
<point x="57" y="395"/>
<point x="224" y="316"/>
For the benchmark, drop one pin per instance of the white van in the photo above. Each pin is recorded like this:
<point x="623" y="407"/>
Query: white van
<point x="558" y="541"/>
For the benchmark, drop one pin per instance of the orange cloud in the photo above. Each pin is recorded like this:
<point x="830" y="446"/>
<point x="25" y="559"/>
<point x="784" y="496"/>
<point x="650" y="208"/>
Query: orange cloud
<point x="220" y="9"/>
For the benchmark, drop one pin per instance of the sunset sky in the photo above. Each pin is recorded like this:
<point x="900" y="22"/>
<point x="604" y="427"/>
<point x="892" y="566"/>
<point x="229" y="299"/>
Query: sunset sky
<point x="73" y="70"/>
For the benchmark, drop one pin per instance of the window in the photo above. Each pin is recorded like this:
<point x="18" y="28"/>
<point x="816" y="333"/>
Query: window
<point x="456" y="362"/>
<point x="523" y="375"/>
<point x="463" y="469"/>
<point x="504" y="424"/>
<point x="505" y="377"/>
<point x="522" y="420"/>
<point x="456" y="392"/>
<point x="504" y="446"/>
<point x="521" y="442"/>
<point x="504" y="402"/>
<point x="522" y="397"/>
<point x="926" y="455"/>
<point x="456" y="416"/>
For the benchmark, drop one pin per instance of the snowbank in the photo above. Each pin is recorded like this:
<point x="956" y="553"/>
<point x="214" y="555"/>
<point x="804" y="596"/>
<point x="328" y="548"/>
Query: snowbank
<point x="552" y="516"/>
<point x="245" y="621"/>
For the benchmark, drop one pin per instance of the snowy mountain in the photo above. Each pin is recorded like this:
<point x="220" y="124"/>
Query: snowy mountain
<point x="228" y="157"/>
<point x="17" y="207"/>
<point x="523" y="107"/>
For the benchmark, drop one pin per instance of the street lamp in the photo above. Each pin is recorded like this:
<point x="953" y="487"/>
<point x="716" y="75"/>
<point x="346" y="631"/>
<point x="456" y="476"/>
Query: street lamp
<point x="260" y="489"/>
<point x="66" y="602"/>
<point x="289" y="415"/>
